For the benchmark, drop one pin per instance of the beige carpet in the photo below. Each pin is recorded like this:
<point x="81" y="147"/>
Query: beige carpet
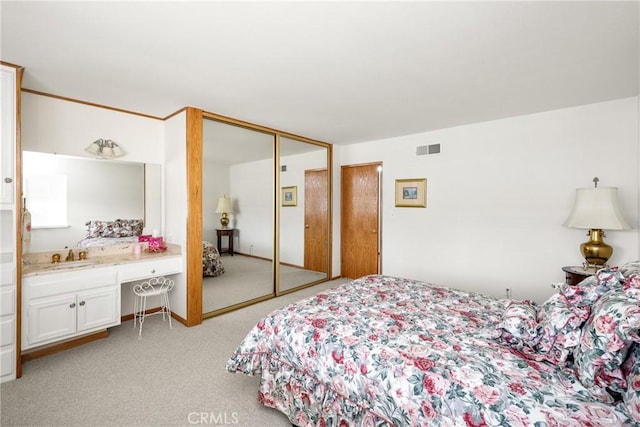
<point x="246" y="278"/>
<point x="172" y="377"/>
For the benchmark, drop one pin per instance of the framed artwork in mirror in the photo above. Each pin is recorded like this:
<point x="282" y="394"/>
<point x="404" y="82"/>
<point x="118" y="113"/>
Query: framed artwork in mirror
<point x="290" y="196"/>
<point x="411" y="193"/>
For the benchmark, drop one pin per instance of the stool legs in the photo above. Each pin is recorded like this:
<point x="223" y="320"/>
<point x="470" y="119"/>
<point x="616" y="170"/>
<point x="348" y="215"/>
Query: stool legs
<point x="139" y="309"/>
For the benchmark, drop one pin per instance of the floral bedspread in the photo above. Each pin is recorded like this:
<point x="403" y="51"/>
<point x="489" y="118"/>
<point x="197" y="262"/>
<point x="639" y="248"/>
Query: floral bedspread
<point x="389" y="351"/>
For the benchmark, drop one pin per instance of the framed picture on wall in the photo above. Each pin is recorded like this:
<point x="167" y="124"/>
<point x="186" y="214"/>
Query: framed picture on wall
<point x="411" y="193"/>
<point x="290" y="196"/>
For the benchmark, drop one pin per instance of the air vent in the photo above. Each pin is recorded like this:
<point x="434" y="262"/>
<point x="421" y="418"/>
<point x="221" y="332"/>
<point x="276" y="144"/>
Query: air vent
<point x="428" y="149"/>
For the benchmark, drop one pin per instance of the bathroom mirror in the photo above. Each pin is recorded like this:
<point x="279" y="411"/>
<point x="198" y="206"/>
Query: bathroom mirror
<point x="304" y="214"/>
<point x="81" y="189"/>
<point x="237" y="162"/>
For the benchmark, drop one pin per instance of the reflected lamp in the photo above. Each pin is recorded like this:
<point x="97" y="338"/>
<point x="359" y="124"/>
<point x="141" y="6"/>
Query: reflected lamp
<point x="105" y="149"/>
<point x="224" y="208"/>
<point x="596" y="209"/>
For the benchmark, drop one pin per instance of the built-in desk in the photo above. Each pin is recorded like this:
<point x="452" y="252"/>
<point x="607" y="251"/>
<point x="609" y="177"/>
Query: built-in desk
<point x="62" y="302"/>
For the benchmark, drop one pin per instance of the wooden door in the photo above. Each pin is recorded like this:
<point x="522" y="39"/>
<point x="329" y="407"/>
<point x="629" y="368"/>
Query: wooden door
<point x="316" y="221"/>
<point x="360" y="220"/>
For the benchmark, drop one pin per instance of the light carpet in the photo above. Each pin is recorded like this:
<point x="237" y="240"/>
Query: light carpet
<point x="171" y="377"/>
<point x="246" y="278"/>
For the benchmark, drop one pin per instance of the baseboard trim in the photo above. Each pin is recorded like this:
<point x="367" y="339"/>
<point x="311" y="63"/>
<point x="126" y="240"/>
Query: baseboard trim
<point x="47" y="350"/>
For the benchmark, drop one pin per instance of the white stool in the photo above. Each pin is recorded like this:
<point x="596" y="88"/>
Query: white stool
<point x="153" y="287"/>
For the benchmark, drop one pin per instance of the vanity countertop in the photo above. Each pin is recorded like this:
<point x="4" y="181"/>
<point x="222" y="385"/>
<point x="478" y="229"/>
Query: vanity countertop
<point x="38" y="267"/>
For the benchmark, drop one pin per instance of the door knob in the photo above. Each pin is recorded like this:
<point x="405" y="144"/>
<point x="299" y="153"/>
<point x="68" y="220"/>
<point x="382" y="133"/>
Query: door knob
<point x="8" y="180"/>
<point x="373" y="231"/>
<point x="306" y="226"/>
<point x="72" y="305"/>
<point x="82" y="302"/>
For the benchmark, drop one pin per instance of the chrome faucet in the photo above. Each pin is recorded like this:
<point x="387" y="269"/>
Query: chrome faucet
<point x="70" y="256"/>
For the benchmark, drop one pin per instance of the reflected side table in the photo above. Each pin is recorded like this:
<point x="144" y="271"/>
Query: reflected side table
<point x="225" y="232"/>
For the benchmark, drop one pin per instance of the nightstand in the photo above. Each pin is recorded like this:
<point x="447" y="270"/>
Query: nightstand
<point x="225" y="232"/>
<point x="576" y="274"/>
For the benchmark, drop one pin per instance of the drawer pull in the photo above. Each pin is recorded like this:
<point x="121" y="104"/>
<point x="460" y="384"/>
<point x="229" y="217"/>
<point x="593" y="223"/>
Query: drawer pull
<point x="153" y="271"/>
<point x="72" y="305"/>
<point x="82" y="302"/>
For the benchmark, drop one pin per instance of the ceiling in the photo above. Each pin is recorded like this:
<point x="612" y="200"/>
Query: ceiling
<point x="339" y="72"/>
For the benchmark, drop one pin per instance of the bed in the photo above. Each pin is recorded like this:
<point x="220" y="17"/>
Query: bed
<point x="101" y="233"/>
<point x="392" y="351"/>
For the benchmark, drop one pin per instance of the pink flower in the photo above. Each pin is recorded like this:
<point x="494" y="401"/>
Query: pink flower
<point x="470" y="421"/>
<point x="363" y="369"/>
<point x="428" y="410"/>
<point x="605" y="324"/>
<point x="434" y="384"/>
<point x="487" y="395"/>
<point x="424" y="364"/>
<point x="338" y="358"/>
<point x="517" y="388"/>
<point x="318" y="323"/>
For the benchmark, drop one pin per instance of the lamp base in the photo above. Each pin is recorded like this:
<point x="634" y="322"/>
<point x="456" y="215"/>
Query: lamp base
<point x="595" y="251"/>
<point x="224" y="220"/>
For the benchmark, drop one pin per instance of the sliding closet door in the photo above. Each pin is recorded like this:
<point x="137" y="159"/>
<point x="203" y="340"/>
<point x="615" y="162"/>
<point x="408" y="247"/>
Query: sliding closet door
<point x="303" y="214"/>
<point x="238" y="163"/>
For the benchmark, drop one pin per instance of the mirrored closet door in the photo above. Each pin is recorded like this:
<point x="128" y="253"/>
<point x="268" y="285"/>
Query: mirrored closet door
<point x="304" y="214"/>
<point x="266" y="211"/>
<point x="237" y="183"/>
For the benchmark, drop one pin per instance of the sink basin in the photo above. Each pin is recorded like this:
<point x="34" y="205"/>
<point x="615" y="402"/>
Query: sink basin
<point x="72" y="264"/>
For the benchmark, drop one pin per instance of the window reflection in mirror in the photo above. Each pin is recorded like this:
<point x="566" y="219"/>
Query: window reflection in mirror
<point x="238" y="163"/>
<point x="64" y="192"/>
<point x="303" y="214"/>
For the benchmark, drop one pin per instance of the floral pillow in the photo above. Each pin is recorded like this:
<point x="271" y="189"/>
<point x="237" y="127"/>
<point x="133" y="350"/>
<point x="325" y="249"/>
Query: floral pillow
<point x="519" y="324"/>
<point x="587" y="292"/>
<point x="127" y="228"/>
<point x="117" y="228"/>
<point x="97" y="228"/>
<point x="630" y="269"/>
<point x="608" y="334"/>
<point x="559" y="328"/>
<point x="631" y="372"/>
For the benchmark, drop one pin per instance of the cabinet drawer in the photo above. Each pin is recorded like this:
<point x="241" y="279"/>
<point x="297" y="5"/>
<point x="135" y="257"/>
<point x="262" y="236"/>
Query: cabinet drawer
<point x="7" y="302"/>
<point x="63" y="282"/>
<point x="7" y="274"/>
<point x="8" y="362"/>
<point x="147" y="269"/>
<point x="7" y="331"/>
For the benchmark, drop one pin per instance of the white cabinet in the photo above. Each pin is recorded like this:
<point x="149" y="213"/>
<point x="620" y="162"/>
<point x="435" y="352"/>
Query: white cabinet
<point x="8" y="258"/>
<point x="68" y="304"/>
<point x="8" y="323"/>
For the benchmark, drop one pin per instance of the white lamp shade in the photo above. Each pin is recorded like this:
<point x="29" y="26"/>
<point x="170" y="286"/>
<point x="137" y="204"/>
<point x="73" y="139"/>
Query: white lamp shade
<point x="224" y="205"/>
<point x="597" y="208"/>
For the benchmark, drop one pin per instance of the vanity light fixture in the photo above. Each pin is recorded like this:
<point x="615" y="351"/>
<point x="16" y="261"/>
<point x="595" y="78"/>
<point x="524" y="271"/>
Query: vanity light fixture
<point x="105" y="149"/>
<point x="224" y="208"/>
<point x="596" y="209"/>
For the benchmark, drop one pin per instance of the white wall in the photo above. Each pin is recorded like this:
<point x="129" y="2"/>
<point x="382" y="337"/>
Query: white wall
<point x="497" y="196"/>
<point x="52" y="125"/>
<point x="175" y="198"/>
<point x="251" y="186"/>
<point x="215" y="183"/>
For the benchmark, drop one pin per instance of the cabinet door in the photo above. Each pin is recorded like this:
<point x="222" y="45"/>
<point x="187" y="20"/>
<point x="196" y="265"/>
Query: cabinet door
<point x="8" y="134"/>
<point x="98" y="308"/>
<point x="50" y="318"/>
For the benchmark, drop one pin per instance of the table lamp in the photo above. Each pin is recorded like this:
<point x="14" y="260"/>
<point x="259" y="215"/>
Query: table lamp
<point x="596" y="209"/>
<point x="224" y="208"/>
